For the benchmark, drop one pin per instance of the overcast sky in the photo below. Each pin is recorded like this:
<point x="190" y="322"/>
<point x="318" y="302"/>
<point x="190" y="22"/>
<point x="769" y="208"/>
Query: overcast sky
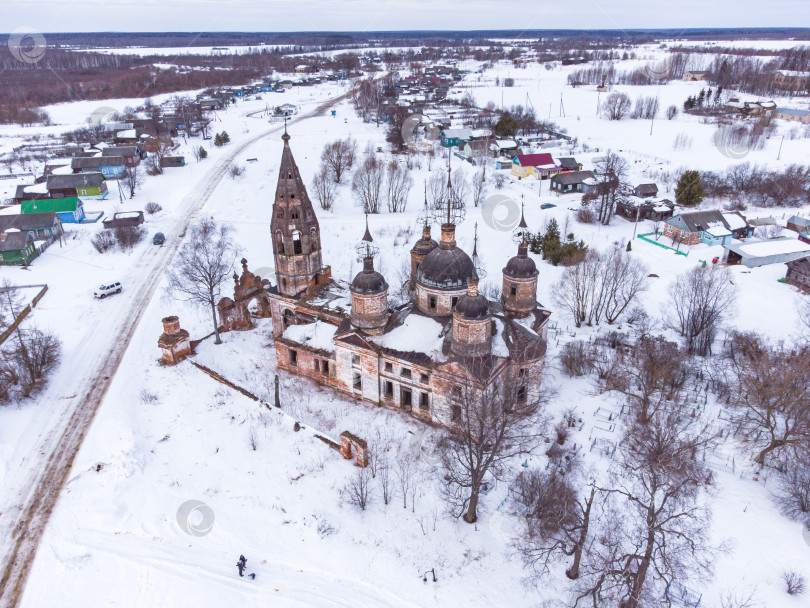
<point x="369" y="15"/>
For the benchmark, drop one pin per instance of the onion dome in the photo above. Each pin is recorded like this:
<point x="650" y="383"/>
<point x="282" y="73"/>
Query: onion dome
<point x="473" y="306"/>
<point x="445" y="268"/>
<point x="521" y="266"/>
<point x="368" y="281"/>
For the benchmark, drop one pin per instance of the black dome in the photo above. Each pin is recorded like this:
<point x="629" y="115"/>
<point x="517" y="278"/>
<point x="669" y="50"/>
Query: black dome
<point x="424" y="246"/>
<point x="368" y="282"/>
<point x="473" y="308"/>
<point x="520" y="267"/>
<point x="445" y="268"/>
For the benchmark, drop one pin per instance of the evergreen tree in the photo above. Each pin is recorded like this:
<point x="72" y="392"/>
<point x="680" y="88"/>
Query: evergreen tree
<point x="629" y="246"/>
<point x="689" y="190"/>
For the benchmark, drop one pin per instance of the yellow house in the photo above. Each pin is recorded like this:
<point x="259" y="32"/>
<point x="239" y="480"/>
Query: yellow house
<point x="540" y="166"/>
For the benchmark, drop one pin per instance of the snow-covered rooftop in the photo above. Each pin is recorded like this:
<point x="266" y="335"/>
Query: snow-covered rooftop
<point x="416" y="334"/>
<point x="318" y="335"/>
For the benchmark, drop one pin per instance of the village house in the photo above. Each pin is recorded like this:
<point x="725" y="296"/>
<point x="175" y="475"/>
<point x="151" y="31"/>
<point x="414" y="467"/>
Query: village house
<point x="420" y="356"/>
<point x="540" y="166"/>
<point x="646" y="190"/>
<point x="761" y="252"/>
<point x="16" y="248"/>
<point x="793" y="115"/>
<point x="791" y="80"/>
<point x="633" y="208"/>
<point x="570" y="181"/>
<point x="798" y="274"/>
<point x="569" y="163"/>
<point x="709" y="227"/>
<point x="799" y="224"/>
<point x="504" y="148"/>
<point x="695" y="75"/>
<point x="111" y="167"/>
<point x="455" y="137"/>
<point x="70" y="210"/>
<point x="132" y="155"/>
<point x="84" y="185"/>
<point x="39" y="226"/>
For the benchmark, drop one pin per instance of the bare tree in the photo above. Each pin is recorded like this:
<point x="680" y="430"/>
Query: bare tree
<point x="358" y="490"/>
<point x="398" y="187"/>
<point x="492" y="424"/>
<point x="795" y="583"/>
<point x="650" y="376"/>
<point x="804" y="313"/>
<point x="616" y="106"/>
<point x="661" y="533"/>
<point x="201" y="266"/>
<point x="406" y="468"/>
<point x="771" y="393"/>
<point x="154" y="162"/>
<point x="793" y="494"/>
<point x="479" y="187"/>
<point x="700" y="299"/>
<point x="611" y="185"/>
<point x="324" y="189"/>
<point x="339" y="156"/>
<point x="132" y="179"/>
<point x="385" y="480"/>
<point x="602" y="285"/>
<point x="368" y="185"/>
<point x="559" y="516"/>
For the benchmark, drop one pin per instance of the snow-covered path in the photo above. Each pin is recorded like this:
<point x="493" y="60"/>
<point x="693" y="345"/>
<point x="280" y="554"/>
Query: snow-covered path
<point x="34" y="484"/>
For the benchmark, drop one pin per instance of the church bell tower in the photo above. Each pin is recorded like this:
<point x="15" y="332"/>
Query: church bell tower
<point x="295" y="231"/>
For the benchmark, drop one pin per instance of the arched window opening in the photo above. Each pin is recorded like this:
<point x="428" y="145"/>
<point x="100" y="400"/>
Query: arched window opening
<point x="296" y="238"/>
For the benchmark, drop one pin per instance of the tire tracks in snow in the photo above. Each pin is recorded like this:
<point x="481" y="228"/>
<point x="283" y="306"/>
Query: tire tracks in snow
<point x="40" y="495"/>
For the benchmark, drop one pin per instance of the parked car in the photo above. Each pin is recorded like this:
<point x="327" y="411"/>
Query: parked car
<point x="547" y="205"/>
<point x="158" y="239"/>
<point x="105" y="290"/>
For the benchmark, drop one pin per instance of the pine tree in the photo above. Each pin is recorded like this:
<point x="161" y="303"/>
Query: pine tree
<point x="689" y="190"/>
<point x="629" y="246"/>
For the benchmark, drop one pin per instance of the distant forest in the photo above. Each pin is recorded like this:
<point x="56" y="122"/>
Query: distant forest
<point x="70" y="69"/>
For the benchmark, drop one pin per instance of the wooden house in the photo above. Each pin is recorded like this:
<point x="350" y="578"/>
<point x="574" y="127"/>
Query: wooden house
<point x="646" y="190"/>
<point x="710" y="227"/>
<point x="797" y="223"/>
<point x="634" y="208"/>
<point x="455" y="137"/>
<point x="798" y="274"/>
<point x="84" y="185"/>
<point x="540" y="166"/>
<point x="111" y="167"/>
<point x="16" y="248"/>
<point x="507" y="148"/>
<point x="570" y="181"/>
<point x="569" y="163"/>
<point x="132" y="155"/>
<point x="173" y="161"/>
<point x="70" y="210"/>
<point x="40" y="226"/>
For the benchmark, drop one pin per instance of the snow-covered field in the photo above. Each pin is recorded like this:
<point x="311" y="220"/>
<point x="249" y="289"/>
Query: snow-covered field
<point x="165" y="436"/>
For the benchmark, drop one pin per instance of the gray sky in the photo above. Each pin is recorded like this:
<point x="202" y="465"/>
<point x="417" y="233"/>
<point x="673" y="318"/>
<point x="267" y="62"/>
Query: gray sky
<point x="369" y="15"/>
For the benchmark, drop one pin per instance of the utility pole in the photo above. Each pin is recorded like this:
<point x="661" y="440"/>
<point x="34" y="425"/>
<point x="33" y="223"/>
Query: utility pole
<point x="778" y="156"/>
<point x="635" y="226"/>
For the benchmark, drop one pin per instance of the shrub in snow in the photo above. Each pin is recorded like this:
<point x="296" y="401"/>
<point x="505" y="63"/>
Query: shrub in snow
<point x="152" y="208"/>
<point x="576" y="358"/>
<point x="794" y="582"/>
<point x="235" y="171"/>
<point x="103" y="241"/>
<point x="358" y="491"/>
<point x="129" y="236"/>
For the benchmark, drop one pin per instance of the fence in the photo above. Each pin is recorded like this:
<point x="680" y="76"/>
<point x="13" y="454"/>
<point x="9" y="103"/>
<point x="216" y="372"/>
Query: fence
<point x="25" y="311"/>
<point x="643" y="237"/>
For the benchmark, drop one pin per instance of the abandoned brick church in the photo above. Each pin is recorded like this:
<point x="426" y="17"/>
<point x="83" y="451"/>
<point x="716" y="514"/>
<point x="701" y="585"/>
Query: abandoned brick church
<point x="417" y="356"/>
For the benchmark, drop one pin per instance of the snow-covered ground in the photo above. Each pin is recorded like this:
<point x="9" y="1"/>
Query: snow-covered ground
<point x="165" y="436"/>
